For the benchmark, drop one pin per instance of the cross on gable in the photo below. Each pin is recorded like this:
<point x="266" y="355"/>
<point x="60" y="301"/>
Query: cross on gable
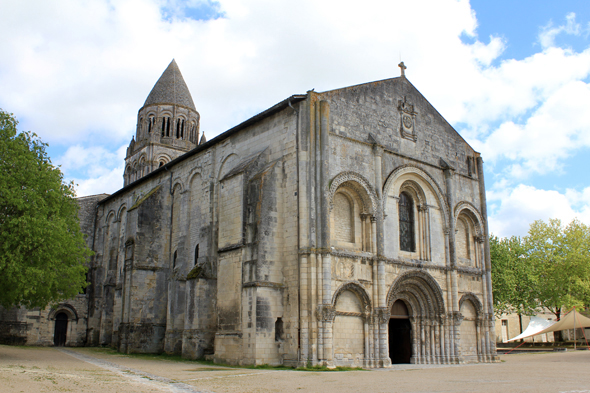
<point x="403" y="67"/>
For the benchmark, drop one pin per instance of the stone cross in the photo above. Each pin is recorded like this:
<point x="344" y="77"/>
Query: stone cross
<point x="403" y="67"/>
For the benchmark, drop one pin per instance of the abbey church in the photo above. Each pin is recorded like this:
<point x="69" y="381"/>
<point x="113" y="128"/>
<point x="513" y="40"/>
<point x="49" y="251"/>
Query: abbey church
<point x="345" y="227"/>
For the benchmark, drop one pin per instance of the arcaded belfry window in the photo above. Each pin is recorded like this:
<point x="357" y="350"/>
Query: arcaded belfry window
<point x="166" y="126"/>
<point x="151" y="122"/>
<point x="406" y="223"/>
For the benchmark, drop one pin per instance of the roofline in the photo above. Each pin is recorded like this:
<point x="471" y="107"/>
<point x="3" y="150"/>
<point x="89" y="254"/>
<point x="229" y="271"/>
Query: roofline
<point x="219" y="138"/>
<point x="411" y="84"/>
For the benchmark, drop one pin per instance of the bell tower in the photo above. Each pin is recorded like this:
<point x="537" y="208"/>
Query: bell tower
<point x="167" y="126"/>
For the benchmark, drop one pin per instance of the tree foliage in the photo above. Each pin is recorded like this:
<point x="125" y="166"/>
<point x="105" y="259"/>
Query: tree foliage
<point x="549" y="268"/>
<point x="42" y="250"/>
<point x="562" y="256"/>
<point x="514" y="279"/>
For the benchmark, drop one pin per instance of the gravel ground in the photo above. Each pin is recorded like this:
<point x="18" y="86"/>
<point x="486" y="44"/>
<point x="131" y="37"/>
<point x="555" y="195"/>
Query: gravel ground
<point x="31" y="369"/>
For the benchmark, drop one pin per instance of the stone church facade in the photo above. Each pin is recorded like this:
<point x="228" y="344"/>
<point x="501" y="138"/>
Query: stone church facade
<point x="346" y="227"/>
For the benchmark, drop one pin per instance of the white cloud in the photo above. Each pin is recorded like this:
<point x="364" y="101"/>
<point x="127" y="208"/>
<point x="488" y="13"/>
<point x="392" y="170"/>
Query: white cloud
<point x="94" y="170"/>
<point x="108" y="183"/>
<point x="549" y="32"/>
<point x="513" y="210"/>
<point x="77" y="73"/>
<point x="553" y="132"/>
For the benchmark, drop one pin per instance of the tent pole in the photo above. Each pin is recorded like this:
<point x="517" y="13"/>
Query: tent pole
<point x="574" y="328"/>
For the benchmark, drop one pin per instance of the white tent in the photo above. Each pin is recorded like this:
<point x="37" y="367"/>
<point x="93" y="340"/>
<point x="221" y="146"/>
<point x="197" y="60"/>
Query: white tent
<point x="572" y="320"/>
<point x="535" y="326"/>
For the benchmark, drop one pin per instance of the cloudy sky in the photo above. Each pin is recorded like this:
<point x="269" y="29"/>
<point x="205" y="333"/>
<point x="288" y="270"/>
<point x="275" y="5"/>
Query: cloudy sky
<point x="511" y="76"/>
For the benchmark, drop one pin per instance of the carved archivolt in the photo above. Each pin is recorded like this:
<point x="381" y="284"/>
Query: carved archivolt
<point x="470" y="211"/>
<point x="421" y="291"/>
<point x="474" y="300"/>
<point x="359" y="184"/>
<point x="356" y="288"/>
<point x="163" y="158"/>
<point x="420" y="175"/>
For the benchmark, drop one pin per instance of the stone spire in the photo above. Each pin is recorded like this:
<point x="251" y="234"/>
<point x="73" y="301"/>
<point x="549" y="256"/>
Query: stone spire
<point x="171" y="89"/>
<point x="167" y="126"/>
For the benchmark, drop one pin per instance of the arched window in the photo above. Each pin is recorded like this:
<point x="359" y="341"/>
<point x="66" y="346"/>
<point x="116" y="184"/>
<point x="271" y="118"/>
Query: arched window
<point x="180" y="129"/>
<point x="406" y="223"/>
<point x="151" y="122"/>
<point x="166" y="126"/>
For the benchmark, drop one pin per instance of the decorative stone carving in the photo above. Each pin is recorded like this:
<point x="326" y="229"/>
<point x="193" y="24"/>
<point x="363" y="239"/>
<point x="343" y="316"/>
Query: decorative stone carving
<point x="361" y="185"/>
<point x="407" y="119"/>
<point x="457" y="318"/>
<point x="383" y="314"/>
<point x="325" y="313"/>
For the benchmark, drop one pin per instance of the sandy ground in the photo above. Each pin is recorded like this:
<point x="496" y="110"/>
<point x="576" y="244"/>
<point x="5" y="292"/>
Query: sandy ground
<point x="28" y="369"/>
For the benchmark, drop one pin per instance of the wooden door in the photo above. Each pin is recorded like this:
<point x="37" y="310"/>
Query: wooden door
<point x="61" y="330"/>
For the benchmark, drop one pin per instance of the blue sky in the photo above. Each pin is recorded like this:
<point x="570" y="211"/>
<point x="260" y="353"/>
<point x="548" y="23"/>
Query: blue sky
<point x="511" y="76"/>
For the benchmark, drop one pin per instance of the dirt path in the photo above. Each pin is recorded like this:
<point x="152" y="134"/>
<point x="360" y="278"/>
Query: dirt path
<point x="25" y="369"/>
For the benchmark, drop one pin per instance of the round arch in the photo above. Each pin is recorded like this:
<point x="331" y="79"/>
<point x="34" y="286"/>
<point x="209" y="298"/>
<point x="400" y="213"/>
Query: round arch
<point x="120" y="211"/>
<point x="68" y="309"/>
<point x="227" y="164"/>
<point x="470" y="211"/>
<point x="474" y="300"/>
<point x="358" y="183"/>
<point x="356" y="288"/>
<point x="420" y="175"/>
<point x="177" y="186"/>
<point x="421" y="291"/>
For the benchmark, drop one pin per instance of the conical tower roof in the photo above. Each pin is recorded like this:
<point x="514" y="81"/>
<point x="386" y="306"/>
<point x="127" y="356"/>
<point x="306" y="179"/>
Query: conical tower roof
<point x="171" y="89"/>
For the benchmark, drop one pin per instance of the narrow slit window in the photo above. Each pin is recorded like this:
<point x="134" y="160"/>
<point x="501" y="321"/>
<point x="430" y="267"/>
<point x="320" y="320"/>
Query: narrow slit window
<point x="279" y="332"/>
<point x="406" y="223"/>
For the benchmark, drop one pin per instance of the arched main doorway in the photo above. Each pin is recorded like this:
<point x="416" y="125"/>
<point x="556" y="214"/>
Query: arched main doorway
<point x="400" y="333"/>
<point x="61" y="329"/>
<point x="422" y="297"/>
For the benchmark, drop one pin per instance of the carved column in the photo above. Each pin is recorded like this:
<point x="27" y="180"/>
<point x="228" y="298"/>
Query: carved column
<point x="384" y="315"/>
<point x="367" y="351"/>
<point x="326" y="315"/>
<point x="432" y="341"/>
<point x="457" y="319"/>
<point x="422" y="342"/>
<point x="444" y="349"/>
<point x="415" y="359"/>
<point x="480" y="341"/>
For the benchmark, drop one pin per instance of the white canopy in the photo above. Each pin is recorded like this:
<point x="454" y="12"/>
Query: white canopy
<point x="541" y="326"/>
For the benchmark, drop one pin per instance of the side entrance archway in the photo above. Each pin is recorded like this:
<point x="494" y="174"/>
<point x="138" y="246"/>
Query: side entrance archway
<point x="61" y="330"/>
<point x="400" y="333"/>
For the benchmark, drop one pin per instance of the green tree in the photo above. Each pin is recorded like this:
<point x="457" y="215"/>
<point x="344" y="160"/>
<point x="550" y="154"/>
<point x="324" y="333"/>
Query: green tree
<point x="514" y="278"/>
<point x="42" y="250"/>
<point x="562" y="256"/>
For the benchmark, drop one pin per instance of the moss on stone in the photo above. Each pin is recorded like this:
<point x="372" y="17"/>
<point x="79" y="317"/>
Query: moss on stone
<point x="194" y="273"/>
<point x="146" y="196"/>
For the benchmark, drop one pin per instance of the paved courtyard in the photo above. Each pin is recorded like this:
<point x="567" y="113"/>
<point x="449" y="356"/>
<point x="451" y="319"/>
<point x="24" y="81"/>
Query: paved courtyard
<point x="25" y="369"/>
